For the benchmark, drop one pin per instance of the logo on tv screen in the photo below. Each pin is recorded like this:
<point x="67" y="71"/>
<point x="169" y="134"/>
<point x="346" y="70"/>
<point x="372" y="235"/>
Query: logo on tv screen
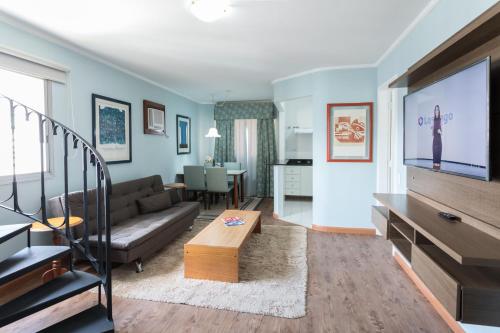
<point x="423" y="120"/>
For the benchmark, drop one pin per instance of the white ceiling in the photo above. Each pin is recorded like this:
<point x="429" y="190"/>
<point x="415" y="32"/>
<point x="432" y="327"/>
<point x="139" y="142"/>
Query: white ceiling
<point x="257" y="42"/>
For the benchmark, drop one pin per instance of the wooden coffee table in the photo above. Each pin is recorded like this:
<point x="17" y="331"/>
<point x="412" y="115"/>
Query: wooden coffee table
<point x="214" y="253"/>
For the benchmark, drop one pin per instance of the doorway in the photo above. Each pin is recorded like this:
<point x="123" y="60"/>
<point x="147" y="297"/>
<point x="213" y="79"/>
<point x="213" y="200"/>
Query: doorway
<point x="295" y="183"/>
<point x="391" y="173"/>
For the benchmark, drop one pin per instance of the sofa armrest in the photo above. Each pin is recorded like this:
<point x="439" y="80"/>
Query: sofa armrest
<point x="54" y="207"/>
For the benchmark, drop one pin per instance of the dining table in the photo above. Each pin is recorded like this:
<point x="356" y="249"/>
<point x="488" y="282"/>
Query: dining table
<point x="235" y="174"/>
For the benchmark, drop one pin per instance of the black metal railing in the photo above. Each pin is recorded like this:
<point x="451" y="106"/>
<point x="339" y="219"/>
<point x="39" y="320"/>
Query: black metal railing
<point x="100" y="259"/>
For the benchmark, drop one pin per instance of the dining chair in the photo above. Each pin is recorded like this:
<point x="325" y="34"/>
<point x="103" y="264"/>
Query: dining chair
<point x="194" y="178"/>
<point x="217" y="183"/>
<point x="233" y="166"/>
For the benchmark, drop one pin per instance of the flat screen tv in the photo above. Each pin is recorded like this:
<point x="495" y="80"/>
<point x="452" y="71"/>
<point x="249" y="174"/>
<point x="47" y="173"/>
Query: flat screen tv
<point x="446" y="124"/>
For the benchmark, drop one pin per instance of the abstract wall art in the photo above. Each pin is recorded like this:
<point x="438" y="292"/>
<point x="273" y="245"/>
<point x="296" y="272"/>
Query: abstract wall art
<point x="111" y="129"/>
<point x="349" y="128"/>
<point x="183" y="135"/>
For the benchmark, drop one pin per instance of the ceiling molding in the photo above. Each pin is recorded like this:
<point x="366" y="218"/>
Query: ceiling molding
<point x="427" y="9"/>
<point x="39" y="32"/>
<point x="321" y="69"/>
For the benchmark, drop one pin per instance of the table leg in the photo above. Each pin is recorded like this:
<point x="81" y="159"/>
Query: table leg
<point x="257" y="228"/>
<point x="55" y="271"/>
<point x="242" y="184"/>
<point x="235" y="191"/>
<point x="57" y="264"/>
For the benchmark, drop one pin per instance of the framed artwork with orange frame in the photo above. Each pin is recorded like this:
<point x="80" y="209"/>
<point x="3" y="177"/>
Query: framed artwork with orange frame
<point x="349" y="132"/>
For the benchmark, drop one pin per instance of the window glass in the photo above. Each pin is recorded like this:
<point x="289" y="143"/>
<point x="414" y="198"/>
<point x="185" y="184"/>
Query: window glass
<point x="31" y="92"/>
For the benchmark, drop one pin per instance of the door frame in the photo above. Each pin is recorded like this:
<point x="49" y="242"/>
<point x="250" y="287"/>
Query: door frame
<point x="389" y="140"/>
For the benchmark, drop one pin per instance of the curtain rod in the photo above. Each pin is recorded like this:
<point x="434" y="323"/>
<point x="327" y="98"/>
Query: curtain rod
<point x="251" y="101"/>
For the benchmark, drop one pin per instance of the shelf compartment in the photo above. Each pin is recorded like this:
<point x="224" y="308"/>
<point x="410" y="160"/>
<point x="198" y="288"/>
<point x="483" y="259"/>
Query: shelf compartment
<point x="380" y="218"/>
<point x="403" y="246"/>
<point x="478" y="301"/>
<point x="443" y="286"/>
<point x="464" y="243"/>
<point x="404" y="229"/>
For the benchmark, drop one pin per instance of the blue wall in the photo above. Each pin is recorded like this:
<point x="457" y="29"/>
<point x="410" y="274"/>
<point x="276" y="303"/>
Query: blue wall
<point x="445" y="19"/>
<point x="342" y="192"/>
<point x="205" y="121"/>
<point x="151" y="154"/>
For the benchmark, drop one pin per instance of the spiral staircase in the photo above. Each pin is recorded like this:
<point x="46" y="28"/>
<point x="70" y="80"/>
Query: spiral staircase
<point x="98" y="318"/>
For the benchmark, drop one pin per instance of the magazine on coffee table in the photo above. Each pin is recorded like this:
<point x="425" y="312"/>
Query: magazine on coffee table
<point x="233" y="221"/>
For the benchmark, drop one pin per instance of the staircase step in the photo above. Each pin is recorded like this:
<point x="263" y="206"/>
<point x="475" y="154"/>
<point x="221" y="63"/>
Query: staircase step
<point x="93" y="320"/>
<point x="11" y="230"/>
<point x="28" y="259"/>
<point x="63" y="287"/>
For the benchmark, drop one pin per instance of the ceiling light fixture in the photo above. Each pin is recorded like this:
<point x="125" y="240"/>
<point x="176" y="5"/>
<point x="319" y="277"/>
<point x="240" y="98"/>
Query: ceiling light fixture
<point x="209" y="10"/>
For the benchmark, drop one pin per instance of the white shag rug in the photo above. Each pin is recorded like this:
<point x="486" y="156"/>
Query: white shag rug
<point x="273" y="276"/>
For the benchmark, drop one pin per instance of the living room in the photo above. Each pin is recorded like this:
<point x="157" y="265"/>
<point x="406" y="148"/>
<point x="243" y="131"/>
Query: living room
<point x="244" y="165"/>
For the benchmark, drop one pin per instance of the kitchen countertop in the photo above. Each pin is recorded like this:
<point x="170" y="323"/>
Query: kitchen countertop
<point x="279" y="162"/>
<point x="284" y="163"/>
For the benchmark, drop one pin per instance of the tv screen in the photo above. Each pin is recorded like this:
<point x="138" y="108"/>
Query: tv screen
<point x="446" y="124"/>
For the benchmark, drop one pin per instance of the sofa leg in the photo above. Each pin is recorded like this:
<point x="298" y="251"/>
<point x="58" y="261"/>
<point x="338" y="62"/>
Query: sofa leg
<point x="190" y="228"/>
<point x="138" y="266"/>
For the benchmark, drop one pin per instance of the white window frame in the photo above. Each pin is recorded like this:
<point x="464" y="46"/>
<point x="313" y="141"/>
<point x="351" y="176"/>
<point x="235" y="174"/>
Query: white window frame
<point x="49" y="151"/>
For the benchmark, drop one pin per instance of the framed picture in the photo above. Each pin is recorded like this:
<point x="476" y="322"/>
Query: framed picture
<point x="183" y="135"/>
<point x="111" y="129"/>
<point x="154" y="118"/>
<point x="349" y="132"/>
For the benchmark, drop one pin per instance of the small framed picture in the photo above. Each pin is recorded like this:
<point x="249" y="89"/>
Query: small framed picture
<point x="350" y="132"/>
<point x="154" y="118"/>
<point x="111" y="129"/>
<point x="183" y="135"/>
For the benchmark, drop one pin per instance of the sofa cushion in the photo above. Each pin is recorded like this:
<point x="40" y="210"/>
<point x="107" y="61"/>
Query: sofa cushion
<point x="139" y="229"/>
<point x="154" y="203"/>
<point x="123" y="205"/>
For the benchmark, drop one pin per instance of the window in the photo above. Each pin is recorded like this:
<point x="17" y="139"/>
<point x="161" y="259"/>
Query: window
<point x="32" y="92"/>
<point x="245" y="149"/>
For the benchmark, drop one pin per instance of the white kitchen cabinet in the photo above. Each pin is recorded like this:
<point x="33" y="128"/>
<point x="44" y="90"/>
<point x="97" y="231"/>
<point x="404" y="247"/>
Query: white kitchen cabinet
<point x="298" y="180"/>
<point x="306" y="180"/>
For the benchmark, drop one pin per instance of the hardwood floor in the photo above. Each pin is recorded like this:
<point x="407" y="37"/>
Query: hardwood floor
<point x="354" y="286"/>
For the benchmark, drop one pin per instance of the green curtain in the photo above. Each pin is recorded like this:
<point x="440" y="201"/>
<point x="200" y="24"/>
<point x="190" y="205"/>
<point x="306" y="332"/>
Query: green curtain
<point x="224" y="146"/>
<point x="245" y="110"/>
<point x="265" y="112"/>
<point x="266" y="156"/>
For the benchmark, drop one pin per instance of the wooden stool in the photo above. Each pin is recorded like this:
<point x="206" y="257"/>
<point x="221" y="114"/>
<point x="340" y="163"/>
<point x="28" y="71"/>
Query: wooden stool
<point x="57" y="239"/>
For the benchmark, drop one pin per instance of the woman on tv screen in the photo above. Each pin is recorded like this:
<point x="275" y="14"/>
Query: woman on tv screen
<point x="437" y="144"/>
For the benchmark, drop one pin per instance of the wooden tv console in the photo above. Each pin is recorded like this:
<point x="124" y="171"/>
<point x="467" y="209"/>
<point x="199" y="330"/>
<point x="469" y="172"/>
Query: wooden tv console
<point x="458" y="263"/>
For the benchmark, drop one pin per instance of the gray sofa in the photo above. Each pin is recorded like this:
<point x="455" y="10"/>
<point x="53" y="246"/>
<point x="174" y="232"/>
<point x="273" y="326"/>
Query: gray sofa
<point x="136" y="232"/>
